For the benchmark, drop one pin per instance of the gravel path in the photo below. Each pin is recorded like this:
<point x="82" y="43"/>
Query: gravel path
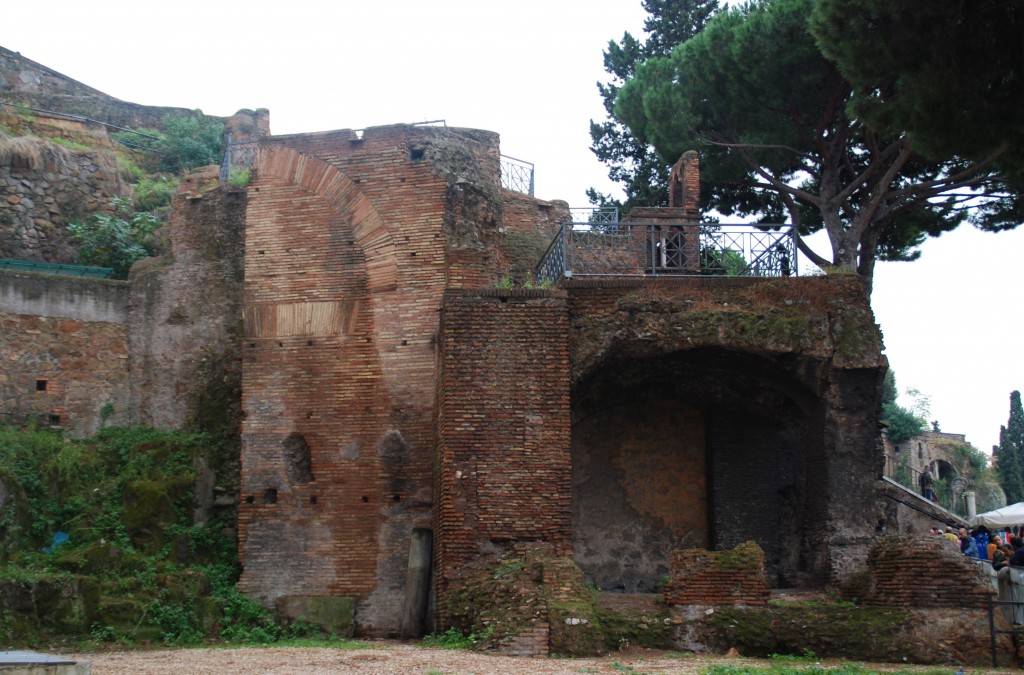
<point x="401" y="659"/>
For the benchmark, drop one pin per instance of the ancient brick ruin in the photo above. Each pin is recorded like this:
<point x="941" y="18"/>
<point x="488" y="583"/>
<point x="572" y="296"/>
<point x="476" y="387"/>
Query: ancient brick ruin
<point x="409" y="416"/>
<point x="389" y="388"/>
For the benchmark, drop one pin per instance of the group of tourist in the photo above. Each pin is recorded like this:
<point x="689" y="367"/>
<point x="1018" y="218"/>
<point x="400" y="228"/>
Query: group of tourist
<point x="1001" y="548"/>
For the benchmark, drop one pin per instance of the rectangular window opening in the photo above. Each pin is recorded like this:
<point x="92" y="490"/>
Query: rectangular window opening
<point x="41" y="384"/>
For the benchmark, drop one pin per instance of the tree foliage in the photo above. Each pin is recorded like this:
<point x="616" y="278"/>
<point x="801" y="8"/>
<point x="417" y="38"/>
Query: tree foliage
<point x="191" y="141"/>
<point x="631" y="162"/>
<point x="836" y="140"/>
<point x="1009" y="454"/>
<point x="903" y="423"/>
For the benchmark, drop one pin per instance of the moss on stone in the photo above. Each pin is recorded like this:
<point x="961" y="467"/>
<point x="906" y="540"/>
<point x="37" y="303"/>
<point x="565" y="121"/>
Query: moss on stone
<point x="739" y="558"/>
<point x="837" y="631"/>
<point x="623" y="628"/>
<point x="152" y="505"/>
<point x="334" y="615"/>
<point x="505" y="599"/>
<point x="575" y="629"/>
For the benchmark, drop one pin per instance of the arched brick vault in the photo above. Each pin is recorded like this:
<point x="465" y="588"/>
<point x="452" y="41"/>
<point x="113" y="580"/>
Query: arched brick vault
<point x="704" y="447"/>
<point x="705" y="398"/>
<point x="352" y="206"/>
<point x="319" y="260"/>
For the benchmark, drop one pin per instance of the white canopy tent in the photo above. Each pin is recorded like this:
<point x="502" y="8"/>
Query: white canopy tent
<point x="1013" y="514"/>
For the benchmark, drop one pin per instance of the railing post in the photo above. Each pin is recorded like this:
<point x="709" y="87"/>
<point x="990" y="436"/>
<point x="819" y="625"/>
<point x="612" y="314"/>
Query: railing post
<point x="566" y="270"/>
<point x="225" y="165"/>
<point x="992" y="629"/>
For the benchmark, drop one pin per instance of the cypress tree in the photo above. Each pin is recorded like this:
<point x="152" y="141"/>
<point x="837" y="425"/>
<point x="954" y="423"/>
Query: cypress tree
<point x="1009" y="454"/>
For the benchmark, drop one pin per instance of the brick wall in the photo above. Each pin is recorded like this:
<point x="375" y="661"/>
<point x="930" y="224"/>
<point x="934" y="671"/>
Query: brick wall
<point x="504" y="469"/>
<point x="347" y="259"/>
<point x="352" y="239"/>
<point x="922" y="571"/>
<point x="65" y="353"/>
<point x="734" y="577"/>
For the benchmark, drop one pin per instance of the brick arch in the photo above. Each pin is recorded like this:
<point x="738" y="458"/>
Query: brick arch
<point x="345" y="197"/>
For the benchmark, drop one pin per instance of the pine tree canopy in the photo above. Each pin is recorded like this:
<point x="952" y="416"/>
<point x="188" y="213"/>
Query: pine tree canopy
<point x="632" y="163"/>
<point x="882" y="122"/>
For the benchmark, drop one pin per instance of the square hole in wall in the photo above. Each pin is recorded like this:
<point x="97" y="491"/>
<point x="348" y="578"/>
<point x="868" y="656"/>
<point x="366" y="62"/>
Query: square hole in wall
<point x="416" y="154"/>
<point x="41" y="384"/>
<point x="54" y="420"/>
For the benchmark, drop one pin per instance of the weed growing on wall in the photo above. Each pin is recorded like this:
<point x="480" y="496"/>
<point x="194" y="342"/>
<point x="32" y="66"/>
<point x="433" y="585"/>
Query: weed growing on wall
<point x="239" y="177"/>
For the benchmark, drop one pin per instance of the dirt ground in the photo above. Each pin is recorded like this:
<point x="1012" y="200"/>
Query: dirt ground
<point x="406" y="659"/>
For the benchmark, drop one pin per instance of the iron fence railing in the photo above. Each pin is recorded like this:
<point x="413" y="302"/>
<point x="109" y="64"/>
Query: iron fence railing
<point x="595" y="215"/>
<point x="948" y="493"/>
<point x="608" y="248"/>
<point x="517" y="175"/>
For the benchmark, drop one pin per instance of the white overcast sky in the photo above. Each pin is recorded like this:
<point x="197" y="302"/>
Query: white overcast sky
<point x="526" y="69"/>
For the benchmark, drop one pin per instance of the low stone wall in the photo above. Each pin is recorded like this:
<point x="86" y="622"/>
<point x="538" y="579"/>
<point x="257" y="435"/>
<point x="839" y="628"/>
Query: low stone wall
<point x="925" y="571"/>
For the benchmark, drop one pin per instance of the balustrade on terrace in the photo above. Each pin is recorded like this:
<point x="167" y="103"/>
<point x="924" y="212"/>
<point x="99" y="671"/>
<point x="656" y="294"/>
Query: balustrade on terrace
<point x="597" y="244"/>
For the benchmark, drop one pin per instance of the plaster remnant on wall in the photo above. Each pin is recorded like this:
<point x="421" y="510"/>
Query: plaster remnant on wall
<point x="350" y="450"/>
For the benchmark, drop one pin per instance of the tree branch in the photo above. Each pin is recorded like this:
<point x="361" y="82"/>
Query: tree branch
<point x="762" y="146"/>
<point x="774" y="183"/>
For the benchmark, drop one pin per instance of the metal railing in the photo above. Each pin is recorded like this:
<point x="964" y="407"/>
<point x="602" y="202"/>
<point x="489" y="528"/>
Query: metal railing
<point x="948" y="493"/>
<point x="56" y="268"/>
<point x="1008" y="605"/>
<point x="517" y="175"/>
<point x="679" y="249"/>
<point x="595" y="215"/>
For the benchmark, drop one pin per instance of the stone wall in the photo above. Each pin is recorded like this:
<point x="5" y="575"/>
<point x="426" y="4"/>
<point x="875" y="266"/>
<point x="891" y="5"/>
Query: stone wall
<point x="184" y="330"/>
<point x="65" y="353"/>
<point x="25" y="82"/>
<point x="44" y="187"/>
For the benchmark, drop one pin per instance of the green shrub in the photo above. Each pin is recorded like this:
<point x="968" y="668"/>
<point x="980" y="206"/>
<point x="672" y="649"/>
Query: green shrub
<point x="191" y="141"/>
<point x="177" y="593"/>
<point x="239" y="177"/>
<point x="130" y="169"/>
<point x="153" y="193"/>
<point x="453" y="638"/>
<point x="113" y="241"/>
<point x="142" y="139"/>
